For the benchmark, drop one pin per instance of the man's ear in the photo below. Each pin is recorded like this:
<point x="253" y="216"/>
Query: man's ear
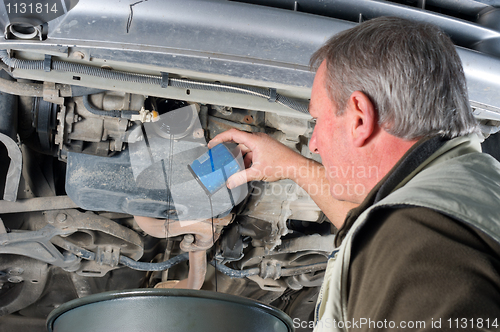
<point x="363" y="118"/>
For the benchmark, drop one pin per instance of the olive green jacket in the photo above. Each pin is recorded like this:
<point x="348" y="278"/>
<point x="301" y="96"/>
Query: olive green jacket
<point x="457" y="180"/>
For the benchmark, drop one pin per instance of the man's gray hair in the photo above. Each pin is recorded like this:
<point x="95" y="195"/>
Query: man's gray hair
<point x="410" y="71"/>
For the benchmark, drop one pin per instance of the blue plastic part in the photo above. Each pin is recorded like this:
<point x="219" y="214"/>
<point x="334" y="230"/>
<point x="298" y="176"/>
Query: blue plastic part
<point x="214" y="167"/>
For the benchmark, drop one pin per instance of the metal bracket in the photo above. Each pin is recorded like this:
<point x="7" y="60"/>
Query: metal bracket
<point x="27" y="279"/>
<point x="15" y="168"/>
<point x="269" y="284"/>
<point x="78" y="221"/>
<point x="51" y="93"/>
<point x="108" y="255"/>
<point x="2" y="227"/>
<point x="37" y="245"/>
<point x="270" y="268"/>
<point x="40" y="244"/>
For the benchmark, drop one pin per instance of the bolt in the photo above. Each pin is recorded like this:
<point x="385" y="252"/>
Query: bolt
<point x="248" y="119"/>
<point x="61" y="217"/>
<point x="15" y="271"/>
<point x="15" y="280"/>
<point x="199" y="133"/>
<point x="171" y="212"/>
<point x="78" y="55"/>
<point x="188" y="238"/>
<point x="224" y="110"/>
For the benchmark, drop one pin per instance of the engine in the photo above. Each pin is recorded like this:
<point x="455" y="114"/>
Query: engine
<point x="134" y="211"/>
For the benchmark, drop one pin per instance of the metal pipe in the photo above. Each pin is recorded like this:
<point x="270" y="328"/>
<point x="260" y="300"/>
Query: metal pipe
<point x="36" y="89"/>
<point x="166" y="256"/>
<point x="199" y="235"/>
<point x="204" y="234"/>
<point x="8" y="110"/>
<point x="290" y="271"/>
<point x="37" y="204"/>
<point x="21" y="89"/>
<point x="197" y="271"/>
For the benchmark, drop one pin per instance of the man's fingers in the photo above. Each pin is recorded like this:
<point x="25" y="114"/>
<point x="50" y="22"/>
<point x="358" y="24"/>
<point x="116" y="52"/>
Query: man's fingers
<point x="241" y="177"/>
<point x="247" y="160"/>
<point x="233" y="135"/>
<point x="243" y="148"/>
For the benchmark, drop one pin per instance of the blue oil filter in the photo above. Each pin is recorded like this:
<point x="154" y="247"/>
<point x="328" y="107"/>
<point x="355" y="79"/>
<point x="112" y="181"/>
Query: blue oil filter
<point x="214" y="167"/>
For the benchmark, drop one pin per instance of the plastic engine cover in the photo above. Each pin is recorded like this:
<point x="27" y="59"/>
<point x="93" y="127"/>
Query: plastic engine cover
<point x="162" y="189"/>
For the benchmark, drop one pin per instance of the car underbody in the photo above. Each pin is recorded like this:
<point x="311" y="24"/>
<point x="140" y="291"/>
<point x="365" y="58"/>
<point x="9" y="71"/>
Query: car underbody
<point x="102" y="109"/>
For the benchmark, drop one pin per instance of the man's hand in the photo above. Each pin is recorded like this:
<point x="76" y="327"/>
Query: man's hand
<point x="265" y="158"/>
<point x="268" y="160"/>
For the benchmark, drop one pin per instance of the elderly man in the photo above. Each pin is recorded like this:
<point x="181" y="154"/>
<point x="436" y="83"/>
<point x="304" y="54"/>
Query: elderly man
<point x="417" y="210"/>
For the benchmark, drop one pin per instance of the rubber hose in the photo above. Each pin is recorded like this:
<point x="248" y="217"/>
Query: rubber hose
<point x="143" y="266"/>
<point x="126" y="114"/>
<point x="235" y="273"/>
<point x="79" y="91"/>
<point x="124" y="260"/>
<point x="154" y="80"/>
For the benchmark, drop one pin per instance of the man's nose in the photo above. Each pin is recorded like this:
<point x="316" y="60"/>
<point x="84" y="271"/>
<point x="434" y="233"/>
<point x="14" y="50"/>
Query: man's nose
<point x="313" y="147"/>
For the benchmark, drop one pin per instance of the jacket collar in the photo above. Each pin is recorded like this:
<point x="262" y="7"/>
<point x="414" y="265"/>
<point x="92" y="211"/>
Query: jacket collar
<point x="423" y="154"/>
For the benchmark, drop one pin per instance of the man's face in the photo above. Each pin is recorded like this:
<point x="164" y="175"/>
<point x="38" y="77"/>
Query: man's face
<point x="330" y="140"/>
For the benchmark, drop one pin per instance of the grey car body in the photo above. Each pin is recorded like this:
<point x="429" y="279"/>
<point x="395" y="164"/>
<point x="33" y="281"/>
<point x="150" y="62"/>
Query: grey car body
<point x="69" y="190"/>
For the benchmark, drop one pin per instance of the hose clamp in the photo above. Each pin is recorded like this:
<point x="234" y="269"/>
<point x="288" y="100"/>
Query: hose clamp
<point x="272" y="95"/>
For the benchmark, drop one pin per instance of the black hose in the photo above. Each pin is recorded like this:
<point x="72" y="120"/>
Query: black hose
<point x="269" y="94"/>
<point x="124" y="260"/>
<point x="143" y="266"/>
<point x="78" y="91"/>
<point x="126" y="114"/>
<point x="236" y="273"/>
